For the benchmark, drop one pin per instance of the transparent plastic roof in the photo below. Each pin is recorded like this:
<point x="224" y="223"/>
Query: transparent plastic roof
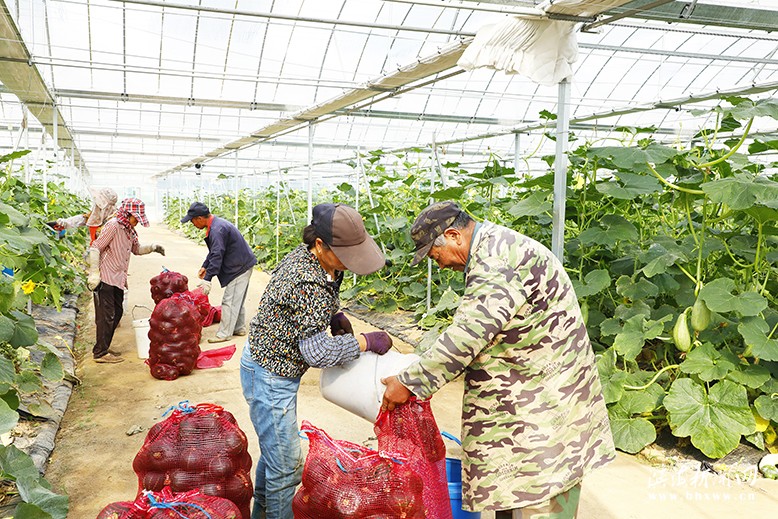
<point x="148" y="88"/>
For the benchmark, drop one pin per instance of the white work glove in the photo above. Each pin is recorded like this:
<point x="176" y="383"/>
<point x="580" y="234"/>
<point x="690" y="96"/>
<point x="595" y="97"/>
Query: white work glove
<point x="148" y="249"/>
<point x="93" y="268"/>
<point x="204" y="286"/>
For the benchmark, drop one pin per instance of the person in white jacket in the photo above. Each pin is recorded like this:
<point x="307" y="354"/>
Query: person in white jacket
<point x="103" y="208"/>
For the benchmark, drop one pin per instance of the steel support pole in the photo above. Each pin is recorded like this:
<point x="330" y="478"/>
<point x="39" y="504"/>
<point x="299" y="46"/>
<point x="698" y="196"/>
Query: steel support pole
<point x="429" y="260"/>
<point x="441" y="172"/>
<point x="516" y="138"/>
<point x="359" y="173"/>
<point x="278" y="212"/>
<point x="310" y="172"/>
<point x="26" y="120"/>
<point x="237" y="190"/>
<point x="560" y="169"/>
<point x="55" y="148"/>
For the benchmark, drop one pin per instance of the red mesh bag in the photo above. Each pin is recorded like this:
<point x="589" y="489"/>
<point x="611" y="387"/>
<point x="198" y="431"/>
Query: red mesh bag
<point x="174" y="335"/>
<point x="166" y="284"/>
<point x="208" y="314"/>
<point x="342" y="479"/>
<point x="198" y="447"/>
<point x="166" y="504"/>
<point x="201" y="302"/>
<point x="214" y="316"/>
<point x="411" y="431"/>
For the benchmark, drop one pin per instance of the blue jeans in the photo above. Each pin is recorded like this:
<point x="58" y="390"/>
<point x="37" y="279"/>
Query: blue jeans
<point x="272" y="403"/>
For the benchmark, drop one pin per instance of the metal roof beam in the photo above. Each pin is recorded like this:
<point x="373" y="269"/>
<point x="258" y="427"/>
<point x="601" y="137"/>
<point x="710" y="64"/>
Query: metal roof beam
<point x="703" y="14"/>
<point x="669" y="104"/>
<point x="178" y="101"/>
<point x="397" y="80"/>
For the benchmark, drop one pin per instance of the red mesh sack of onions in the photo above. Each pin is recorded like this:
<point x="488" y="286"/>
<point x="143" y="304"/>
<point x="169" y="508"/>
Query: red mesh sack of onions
<point x="158" y="505"/>
<point x="166" y="284"/>
<point x="198" y="447"/>
<point x="410" y="430"/>
<point x="174" y="336"/>
<point x="208" y="314"/>
<point x="343" y="479"/>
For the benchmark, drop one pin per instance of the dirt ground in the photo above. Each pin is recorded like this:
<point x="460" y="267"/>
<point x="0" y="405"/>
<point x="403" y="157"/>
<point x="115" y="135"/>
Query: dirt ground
<point x="92" y="460"/>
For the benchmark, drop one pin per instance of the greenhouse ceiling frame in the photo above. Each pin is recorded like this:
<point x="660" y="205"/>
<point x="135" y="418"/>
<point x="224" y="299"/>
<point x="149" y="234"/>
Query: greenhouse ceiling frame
<point x="659" y="10"/>
<point x="21" y="76"/>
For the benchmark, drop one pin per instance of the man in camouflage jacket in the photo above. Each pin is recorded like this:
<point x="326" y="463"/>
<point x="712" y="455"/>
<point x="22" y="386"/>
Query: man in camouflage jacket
<point x="533" y="417"/>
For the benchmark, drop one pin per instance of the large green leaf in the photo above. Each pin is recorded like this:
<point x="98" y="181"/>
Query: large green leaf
<point x="15" y="464"/>
<point x="743" y="191"/>
<point x="632" y="434"/>
<point x="35" y="493"/>
<point x="636" y="290"/>
<point x="532" y="205"/>
<point x="767" y="407"/>
<point x="7" y="293"/>
<point x="750" y="375"/>
<point x="634" y="158"/>
<point x="28" y="382"/>
<point x="8" y="417"/>
<point x="719" y="295"/>
<point x="611" y="377"/>
<point x="629" y="186"/>
<point x="636" y="331"/>
<point x="7" y="371"/>
<point x="594" y="282"/>
<point x="25" y="333"/>
<point x="610" y="230"/>
<point x="51" y="367"/>
<point x="759" y="146"/>
<point x="754" y="331"/>
<point x="10" y="397"/>
<point x="15" y="217"/>
<point x="661" y="255"/>
<point x="7" y="326"/>
<point x="715" y="421"/>
<point x="709" y="363"/>
<point x="642" y="401"/>
<point x="14" y="155"/>
<point x="30" y="511"/>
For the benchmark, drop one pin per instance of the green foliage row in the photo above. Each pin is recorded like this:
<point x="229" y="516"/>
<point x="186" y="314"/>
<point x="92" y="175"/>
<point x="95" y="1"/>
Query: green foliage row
<point x="657" y="239"/>
<point x="43" y="267"/>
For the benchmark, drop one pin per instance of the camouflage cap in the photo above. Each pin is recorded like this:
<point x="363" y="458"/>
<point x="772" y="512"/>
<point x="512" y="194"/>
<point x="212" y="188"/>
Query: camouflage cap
<point x="431" y="223"/>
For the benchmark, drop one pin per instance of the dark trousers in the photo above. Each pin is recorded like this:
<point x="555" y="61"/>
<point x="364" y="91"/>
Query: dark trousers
<point x="109" y="306"/>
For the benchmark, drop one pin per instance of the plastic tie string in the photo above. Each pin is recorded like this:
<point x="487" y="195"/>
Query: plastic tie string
<point x="172" y="506"/>
<point x="182" y="406"/>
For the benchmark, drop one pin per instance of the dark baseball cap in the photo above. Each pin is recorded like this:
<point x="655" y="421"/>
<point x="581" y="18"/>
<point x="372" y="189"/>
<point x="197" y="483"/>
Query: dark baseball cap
<point x="431" y="223"/>
<point x="195" y="210"/>
<point x="342" y="229"/>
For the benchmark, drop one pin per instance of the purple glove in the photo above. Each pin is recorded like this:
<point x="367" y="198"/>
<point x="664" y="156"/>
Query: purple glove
<point x="377" y="342"/>
<point x="340" y="325"/>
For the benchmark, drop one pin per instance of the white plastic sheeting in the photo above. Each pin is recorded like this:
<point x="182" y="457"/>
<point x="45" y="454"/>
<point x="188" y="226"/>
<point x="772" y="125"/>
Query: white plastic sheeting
<point x="540" y="49"/>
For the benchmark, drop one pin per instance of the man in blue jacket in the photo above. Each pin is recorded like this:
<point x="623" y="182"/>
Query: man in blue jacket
<point x="231" y="260"/>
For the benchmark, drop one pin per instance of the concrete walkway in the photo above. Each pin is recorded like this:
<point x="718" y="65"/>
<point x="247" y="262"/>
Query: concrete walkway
<point x="92" y="461"/>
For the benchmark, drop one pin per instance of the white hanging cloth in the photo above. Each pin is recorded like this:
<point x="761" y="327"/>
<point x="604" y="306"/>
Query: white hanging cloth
<point x="540" y="49"/>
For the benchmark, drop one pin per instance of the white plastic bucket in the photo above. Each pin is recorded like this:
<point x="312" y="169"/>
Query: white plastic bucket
<point x="141" y="327"/>
<point x="356" y="386"/>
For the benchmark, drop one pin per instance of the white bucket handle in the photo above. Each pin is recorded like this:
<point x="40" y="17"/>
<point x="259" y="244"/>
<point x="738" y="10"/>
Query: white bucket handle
<point x="139" y="306"/>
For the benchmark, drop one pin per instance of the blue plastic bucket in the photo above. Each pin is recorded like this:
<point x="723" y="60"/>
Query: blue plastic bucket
<point x="454" y="477"/>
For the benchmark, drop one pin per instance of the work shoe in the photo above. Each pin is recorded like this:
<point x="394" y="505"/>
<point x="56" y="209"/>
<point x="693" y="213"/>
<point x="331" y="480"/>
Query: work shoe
<point x="109" y="358"/>
<point x="114" y="352"/>
<point x="213" y="340"/>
